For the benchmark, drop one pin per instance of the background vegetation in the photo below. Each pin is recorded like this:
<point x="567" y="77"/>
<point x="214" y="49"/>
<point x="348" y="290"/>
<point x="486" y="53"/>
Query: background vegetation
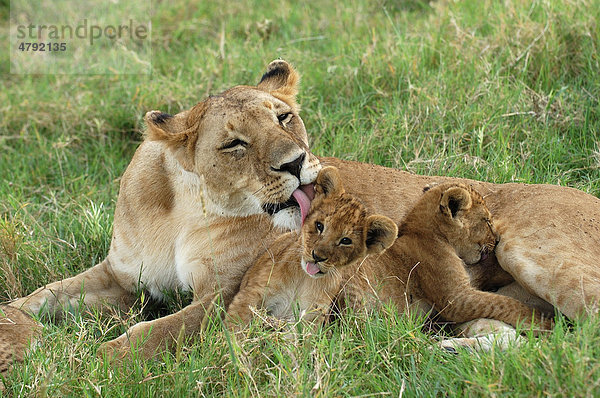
<point x="500" y="91"/>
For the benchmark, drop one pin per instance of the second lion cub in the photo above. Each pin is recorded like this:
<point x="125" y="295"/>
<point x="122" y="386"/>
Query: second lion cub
<point x="303" y="274"/>
<point x="449" y="227"/>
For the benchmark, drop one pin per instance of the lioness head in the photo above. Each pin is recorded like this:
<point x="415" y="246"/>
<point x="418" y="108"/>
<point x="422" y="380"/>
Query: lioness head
<point x="338" y="231"/>
<point x="463" y="218"/>
<point x="245" y="150"/>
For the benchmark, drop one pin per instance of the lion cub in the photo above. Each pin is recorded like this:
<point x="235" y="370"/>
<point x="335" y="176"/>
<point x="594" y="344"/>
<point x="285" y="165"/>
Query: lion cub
<point x="302" y="275"/>
<point x="449" y="230"/>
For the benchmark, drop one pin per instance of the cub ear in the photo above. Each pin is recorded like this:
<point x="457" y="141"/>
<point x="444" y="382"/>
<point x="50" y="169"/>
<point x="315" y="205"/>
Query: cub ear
<point x="381" y="233"/>
<point x="280" y="78"/>
<point x="455" y="199"/>
<point x="179" y="132"/>
<point x="328" y="182"/>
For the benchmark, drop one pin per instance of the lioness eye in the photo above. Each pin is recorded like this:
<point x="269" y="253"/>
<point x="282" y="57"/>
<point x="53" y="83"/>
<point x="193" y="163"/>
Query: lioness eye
<point x="345" y="241"/>
<point x="319" y="226"/>
<point x="234" y="143"/>
<point x="284" y="117"/>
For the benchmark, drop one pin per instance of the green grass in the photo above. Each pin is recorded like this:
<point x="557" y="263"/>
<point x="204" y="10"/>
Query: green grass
<point x="499" y="91"/>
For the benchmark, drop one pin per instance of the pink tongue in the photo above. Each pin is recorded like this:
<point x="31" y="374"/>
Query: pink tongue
<point x="303" y="197"/>
<point x="312" y="269"/>
<point x="309" y="190"/>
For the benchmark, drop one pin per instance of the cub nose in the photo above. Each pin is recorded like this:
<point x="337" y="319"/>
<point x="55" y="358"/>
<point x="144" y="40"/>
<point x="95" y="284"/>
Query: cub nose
<point x="317" y="258"/>
<point x="294" y="167"/>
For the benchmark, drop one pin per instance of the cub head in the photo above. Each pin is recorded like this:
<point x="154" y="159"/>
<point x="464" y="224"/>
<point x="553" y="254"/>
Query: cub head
<point x="338" y="231"/>
<point x="464" y="219"/>
<point x="244" y="151"/>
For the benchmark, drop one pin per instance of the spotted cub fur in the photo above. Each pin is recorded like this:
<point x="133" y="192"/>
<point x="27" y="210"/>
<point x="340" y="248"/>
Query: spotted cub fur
<point x="300" y="275"/>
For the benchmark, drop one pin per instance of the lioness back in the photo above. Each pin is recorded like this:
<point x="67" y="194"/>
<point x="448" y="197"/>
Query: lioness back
<point x="300" y="274"/>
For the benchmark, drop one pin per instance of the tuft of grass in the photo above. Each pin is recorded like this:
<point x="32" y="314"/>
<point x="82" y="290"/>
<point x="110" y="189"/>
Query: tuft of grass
<point x="498" y="91"/>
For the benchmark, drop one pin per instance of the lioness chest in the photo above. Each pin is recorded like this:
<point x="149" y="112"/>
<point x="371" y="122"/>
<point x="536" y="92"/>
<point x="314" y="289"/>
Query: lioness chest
<point x="161" y="244"/>
<point x="195" y="252"/>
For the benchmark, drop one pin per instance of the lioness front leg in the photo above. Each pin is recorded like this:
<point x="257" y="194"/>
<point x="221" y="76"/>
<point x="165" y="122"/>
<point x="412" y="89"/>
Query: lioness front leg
<point x="152" y="337"/>
<point x="96" y="287"/>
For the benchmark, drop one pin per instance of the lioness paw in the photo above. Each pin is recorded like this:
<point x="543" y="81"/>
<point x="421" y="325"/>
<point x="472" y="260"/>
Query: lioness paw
<point x="136" y="342"/>
<point x="115" y="350"/>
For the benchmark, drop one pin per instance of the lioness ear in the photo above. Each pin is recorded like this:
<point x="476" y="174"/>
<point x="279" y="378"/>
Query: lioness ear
<point x="381" y="233"/>
<point x="329" y="182"/>
<point x="455" y="199"/>
<point x="280" y="79"/>
<point x="179" y="132"/>
<point x="165" y="127"/>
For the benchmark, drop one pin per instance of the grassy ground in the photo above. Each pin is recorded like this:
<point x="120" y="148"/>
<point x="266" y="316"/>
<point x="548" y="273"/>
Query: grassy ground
<point x="500" y="91"/>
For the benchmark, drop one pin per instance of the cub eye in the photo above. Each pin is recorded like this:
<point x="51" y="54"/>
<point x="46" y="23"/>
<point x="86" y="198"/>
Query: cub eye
<point x="345" y="241"/>
<point x="233" y="143"/>
<point x="319" y="226"/>
<point x="284" y="117"/>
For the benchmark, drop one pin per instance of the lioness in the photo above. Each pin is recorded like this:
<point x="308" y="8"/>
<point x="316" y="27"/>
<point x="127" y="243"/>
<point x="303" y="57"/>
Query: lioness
<point x="199" y="198"/>
<point x="302" y="274"/>
<point x="196" y="206"/>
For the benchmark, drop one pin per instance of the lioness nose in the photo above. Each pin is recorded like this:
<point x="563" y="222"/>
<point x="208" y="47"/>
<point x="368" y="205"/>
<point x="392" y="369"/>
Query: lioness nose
<point x="317" y="258"/>
<point x="294" y="167"/>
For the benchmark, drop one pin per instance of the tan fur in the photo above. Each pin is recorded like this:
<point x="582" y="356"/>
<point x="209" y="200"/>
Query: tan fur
<point x="550" y="234"/>
<point x="17" y="331"/>
<point x="449" y="228"/>
<point x="187" y="214"/>
<point x="190" y="210"/>
<point x="339" y="231"/>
